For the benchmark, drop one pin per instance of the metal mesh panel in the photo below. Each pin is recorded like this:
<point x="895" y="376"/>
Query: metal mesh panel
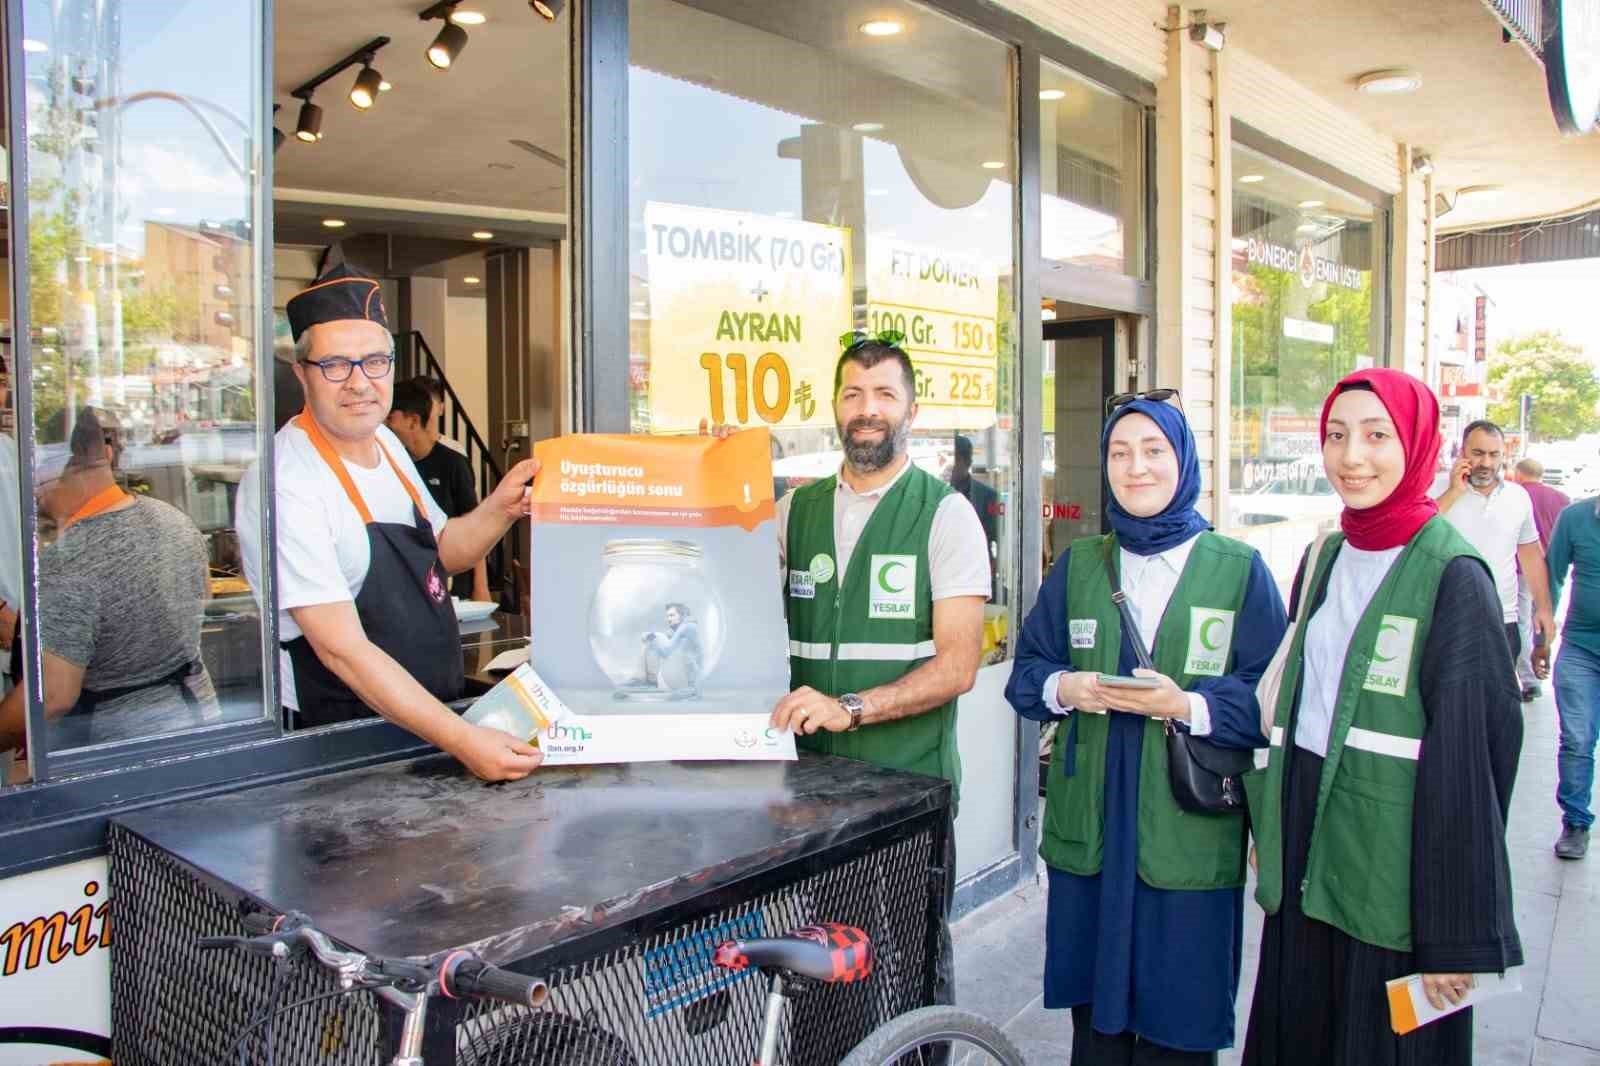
<point x="653" y="1002"/>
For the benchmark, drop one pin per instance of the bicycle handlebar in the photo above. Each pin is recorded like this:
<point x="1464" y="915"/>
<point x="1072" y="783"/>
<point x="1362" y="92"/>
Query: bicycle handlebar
<point x="463" y="975"/>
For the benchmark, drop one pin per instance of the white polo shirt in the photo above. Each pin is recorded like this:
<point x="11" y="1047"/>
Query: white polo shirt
<point x="323" y="550"/>
<point x="958" y="551"/>
<point x="1496" y="525"/>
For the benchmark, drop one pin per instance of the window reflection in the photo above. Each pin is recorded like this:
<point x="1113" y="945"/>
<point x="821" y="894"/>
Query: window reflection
<point x="1091" y="144"/>
<point x="870" y="187"/>
<point x="142" y="336"/>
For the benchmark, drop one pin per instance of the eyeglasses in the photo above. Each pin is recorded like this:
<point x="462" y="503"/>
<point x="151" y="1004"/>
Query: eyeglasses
<point x="338" y="368"/>
<point x="855" y="338"/>
<point x="1122" y="399"/>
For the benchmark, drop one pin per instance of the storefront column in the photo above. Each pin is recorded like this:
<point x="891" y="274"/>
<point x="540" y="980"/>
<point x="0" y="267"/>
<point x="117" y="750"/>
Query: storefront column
<point x="1222" y="266"/>
<point x="1187" y="232"/>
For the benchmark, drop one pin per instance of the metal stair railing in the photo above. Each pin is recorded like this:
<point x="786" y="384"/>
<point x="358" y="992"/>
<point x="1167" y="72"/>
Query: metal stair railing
<point x="416" y="359"/>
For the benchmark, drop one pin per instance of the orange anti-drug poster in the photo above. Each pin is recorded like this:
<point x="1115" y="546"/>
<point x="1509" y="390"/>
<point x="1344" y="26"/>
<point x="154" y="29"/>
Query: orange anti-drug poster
<point x="657" y="612"/>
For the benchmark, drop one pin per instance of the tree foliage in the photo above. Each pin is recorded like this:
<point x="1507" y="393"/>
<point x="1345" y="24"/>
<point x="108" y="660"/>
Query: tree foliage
<point x="1554" y="371"/>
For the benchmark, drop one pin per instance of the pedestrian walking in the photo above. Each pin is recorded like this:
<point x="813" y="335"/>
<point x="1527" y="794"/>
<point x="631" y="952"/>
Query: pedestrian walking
<point x="1146" y="905"/>
<point x="1575" y="545"/>
<point x="1380" y="816"/>
<point x="1548" y="504"/>
<point x="1497" y="520"/>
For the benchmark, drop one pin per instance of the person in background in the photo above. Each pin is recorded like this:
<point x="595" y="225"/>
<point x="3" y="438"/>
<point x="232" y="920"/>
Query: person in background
<point x="435" y="389"/>
<point x="1547" y="506"/>
<point x="1497" y="520"/>
<point x="1575" y="545"/>
<point x="983" y="498"/>
<point x="122" y="592"/>
<point x="886" y="572"/>
<point x="413" y="418"/>
<point x="1380" y="817"/>
<point x="1146" y="904"/>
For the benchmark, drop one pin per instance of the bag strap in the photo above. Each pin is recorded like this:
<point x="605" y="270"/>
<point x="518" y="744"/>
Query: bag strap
<point x="1313" y="557"/>
<point x="1129" y="623"/>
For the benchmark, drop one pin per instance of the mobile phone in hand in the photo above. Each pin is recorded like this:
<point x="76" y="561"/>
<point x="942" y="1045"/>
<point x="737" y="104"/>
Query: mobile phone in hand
<point x="1119" y="681"/>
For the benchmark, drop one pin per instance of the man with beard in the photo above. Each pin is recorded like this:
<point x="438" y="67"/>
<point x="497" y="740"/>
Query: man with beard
<point x="1497" y="519"/>
<point x="886" y="572"/>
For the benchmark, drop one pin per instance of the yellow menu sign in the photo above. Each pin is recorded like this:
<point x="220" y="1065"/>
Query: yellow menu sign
<point x="947" y="306"/>
<point x="745" y="317"/>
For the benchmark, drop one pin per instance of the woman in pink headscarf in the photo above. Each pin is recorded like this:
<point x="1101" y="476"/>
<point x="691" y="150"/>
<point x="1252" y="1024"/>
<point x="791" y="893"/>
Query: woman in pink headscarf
<point x="1380" y="817"/>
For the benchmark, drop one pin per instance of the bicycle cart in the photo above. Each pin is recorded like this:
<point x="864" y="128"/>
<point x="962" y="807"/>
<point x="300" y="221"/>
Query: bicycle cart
<point x="614" y="884"/>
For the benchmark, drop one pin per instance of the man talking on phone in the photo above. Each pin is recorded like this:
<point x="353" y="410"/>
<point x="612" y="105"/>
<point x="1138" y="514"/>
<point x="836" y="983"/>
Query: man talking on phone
<point x="1497" y="519"/>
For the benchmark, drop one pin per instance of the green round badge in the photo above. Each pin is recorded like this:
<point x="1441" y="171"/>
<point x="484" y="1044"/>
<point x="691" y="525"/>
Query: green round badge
<point x="821" y="568"/>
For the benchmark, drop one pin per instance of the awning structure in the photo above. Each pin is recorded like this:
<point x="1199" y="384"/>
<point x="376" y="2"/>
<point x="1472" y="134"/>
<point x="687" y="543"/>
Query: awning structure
<point x="1577" y="237"/>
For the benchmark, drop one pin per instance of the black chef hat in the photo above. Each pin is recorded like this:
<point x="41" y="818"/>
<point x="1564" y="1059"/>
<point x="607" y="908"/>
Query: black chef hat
<point x="339" y="294"/>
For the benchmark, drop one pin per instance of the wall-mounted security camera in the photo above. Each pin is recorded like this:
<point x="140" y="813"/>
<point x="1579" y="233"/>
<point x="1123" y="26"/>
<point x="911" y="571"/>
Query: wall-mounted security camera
<point x="1211" y="34"/>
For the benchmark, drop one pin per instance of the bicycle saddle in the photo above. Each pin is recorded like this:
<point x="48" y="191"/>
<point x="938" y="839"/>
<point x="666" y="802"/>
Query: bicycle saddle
<point x="825" y="952"/>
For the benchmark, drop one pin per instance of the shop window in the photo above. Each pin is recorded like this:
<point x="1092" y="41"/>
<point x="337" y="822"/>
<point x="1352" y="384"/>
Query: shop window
<point x="1308" y="270"/>
<point x="1091" y="175"/>
<point x="869" y="187"/>
<point x="140" y="362"/>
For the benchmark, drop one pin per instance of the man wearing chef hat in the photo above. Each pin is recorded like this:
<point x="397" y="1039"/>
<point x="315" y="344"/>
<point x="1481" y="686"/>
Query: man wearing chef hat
<point x="364" y="553"/>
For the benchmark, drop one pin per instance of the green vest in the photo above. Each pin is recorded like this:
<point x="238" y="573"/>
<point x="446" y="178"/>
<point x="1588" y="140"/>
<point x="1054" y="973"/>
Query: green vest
<point x="1177" y="849"/>
<point x="1358" y="873"/>
<point x="874" y="629"/>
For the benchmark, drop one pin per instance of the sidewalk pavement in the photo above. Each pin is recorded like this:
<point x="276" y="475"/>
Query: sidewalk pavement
<point x="1555" y="1021"/>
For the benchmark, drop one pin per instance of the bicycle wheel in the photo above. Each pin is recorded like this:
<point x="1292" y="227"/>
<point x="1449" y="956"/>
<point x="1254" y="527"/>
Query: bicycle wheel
<point x="936" y="1034"/>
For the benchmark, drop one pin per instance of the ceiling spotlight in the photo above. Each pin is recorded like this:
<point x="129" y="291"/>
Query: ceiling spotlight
<point x="482" y="235"/>
<point x="468" y="18"/>
<point x="309" y="127"/>
<point x="993" y="164"/>
<point x="366" y="89"/>
<point x="1052" y="94"/>
<point x="447" y="46"/>
<point x="867" y="127"/>
<point x="333" y="223"/>
<point x="471" y="279"/>
<point x="1251" y="179"/>
<point x="1388" y="82"/>
<point x="1306" y="205"/>
<point x="881" y="28"/>
<point x="547" y="9"/>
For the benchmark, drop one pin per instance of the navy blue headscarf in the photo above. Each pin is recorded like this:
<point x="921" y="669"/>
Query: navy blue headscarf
<point x="1179" y="521"/>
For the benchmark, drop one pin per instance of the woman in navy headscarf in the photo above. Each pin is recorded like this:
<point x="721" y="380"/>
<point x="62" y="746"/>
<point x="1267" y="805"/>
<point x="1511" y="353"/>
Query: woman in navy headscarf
<point x="1146" y="907"/>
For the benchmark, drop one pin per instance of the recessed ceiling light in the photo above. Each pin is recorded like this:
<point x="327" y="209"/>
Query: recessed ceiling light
<point x="1478" y="192"/>
<point x="468" y="18"/>
<point x="471" y="279"/>
<point x="1251" y="179"/>
<point x="867" y="127"/>
<point x="1386" y="82"/>
<point x="882" y="28"/>
<point x="1052" y="94"/>
<point x="1306" y="205"/>
<point x="993" y="164"/>
<point x="31" y="45"/>
<point x="333" y="223"/>
<point x="482" y="235"/>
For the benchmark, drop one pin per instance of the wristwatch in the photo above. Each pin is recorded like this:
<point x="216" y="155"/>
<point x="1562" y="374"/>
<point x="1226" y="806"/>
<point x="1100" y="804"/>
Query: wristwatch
<point x="855" y="705"/>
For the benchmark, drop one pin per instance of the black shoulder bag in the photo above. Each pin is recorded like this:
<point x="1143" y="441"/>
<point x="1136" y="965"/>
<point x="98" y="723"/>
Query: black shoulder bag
<point x="1205" y="777"/>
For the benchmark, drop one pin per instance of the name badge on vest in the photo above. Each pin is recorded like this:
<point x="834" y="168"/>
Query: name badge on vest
<point x="801" y="585"/>
<point x="893" y="587"/>
<point x="1391" y="656"/>
<point x="1210" y="640"/>
<point x="1082" y="631"/>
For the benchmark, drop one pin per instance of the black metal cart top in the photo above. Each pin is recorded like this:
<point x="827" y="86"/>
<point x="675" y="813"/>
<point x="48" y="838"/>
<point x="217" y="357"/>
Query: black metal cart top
<point x="417" y="858"/>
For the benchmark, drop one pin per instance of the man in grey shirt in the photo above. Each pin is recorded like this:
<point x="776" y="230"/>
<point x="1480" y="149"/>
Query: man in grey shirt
<point x="121" y="595"/>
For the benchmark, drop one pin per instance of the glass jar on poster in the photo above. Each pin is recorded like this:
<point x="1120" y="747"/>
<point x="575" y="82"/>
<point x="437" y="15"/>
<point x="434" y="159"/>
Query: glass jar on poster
<point x="656" y="626"/>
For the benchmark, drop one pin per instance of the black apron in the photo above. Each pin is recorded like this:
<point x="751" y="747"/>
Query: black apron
<point x="404" y="607"/>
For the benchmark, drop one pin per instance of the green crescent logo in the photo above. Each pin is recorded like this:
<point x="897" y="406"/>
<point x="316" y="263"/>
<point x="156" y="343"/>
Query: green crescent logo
<point x="1376" y="654"/>
<point x="1205" y="632"/>
<point x="883" y="577"/>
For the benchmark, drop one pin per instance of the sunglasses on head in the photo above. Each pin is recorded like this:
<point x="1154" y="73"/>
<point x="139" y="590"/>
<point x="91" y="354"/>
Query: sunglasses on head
<point x="1122" y="399"/>
<point x="855" y="338"/>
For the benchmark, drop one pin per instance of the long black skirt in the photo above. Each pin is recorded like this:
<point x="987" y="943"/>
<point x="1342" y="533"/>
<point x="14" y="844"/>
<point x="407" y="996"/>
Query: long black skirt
<point x="1320" y="998"/>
